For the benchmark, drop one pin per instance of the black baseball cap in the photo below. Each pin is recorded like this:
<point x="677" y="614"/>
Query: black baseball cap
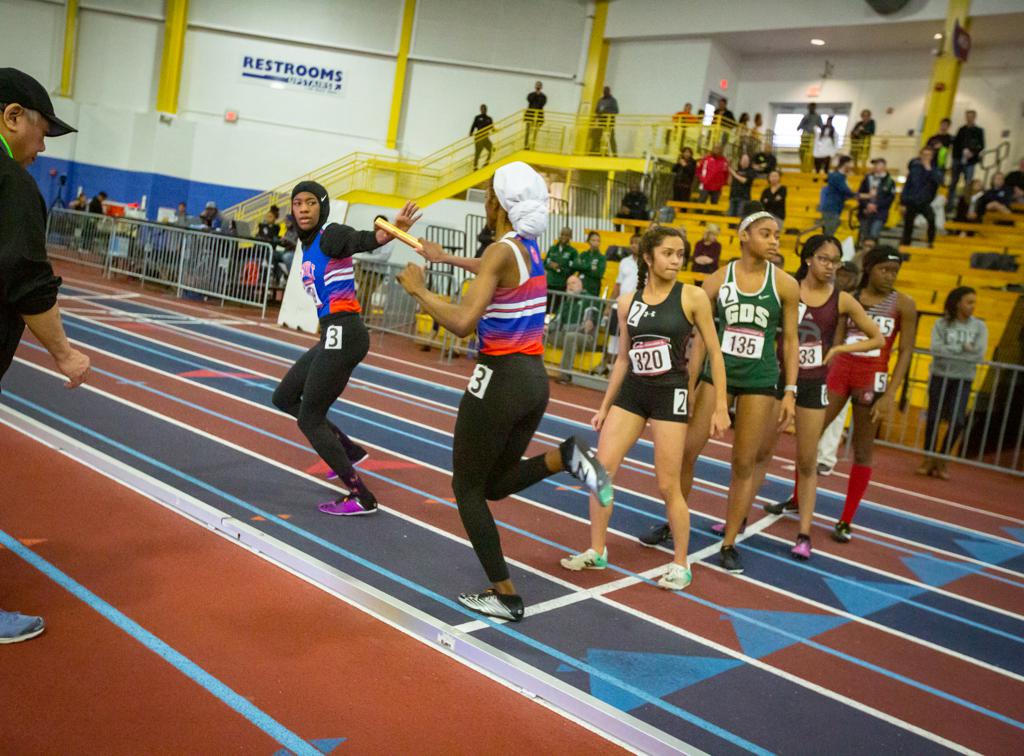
<point x="17" y="86"/>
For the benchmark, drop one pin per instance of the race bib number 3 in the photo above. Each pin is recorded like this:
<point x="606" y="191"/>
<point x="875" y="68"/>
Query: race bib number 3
<point x="332" y="339"/>
<point x="739" y="342"/>
<point x="811" y="355"/>
<point x="650" y="358"/>
<point x="479" y="381"/>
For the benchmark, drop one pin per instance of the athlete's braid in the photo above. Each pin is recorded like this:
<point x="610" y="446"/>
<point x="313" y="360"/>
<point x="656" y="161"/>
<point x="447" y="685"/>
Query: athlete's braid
<point x="648" y="243"/>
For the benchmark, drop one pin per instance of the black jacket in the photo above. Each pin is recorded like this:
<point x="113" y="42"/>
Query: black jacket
<point x="971" y="138"/>
<point x="27" y="283"/>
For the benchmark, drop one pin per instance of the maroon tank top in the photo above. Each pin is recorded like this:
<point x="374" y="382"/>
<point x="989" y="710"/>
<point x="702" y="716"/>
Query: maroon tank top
<point x="816" y="330"/>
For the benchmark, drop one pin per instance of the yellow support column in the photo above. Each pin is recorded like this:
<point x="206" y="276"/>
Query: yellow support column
<point x="67" y="68"/>
<point x="945" y="73"/>
<point x="175" y="25"/>
<point x="401" y="65"/>
<point x="593" y="75"/>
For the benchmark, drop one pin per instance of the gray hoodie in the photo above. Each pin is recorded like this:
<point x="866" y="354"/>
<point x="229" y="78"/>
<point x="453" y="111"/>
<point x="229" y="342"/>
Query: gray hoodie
<point x="958" y="347"/>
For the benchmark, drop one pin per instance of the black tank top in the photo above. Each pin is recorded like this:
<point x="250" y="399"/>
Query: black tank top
<point x="657" y="339"/>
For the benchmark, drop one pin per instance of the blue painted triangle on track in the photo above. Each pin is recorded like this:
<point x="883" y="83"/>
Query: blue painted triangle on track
<point x="1017" y="533"/>
<point x="326" y="745"/>
<point x="858" y="598"/>
<point x="656" y="674"/>
<point x="566" y="668"/>
<point x="757" y="640"/>
<point x="993" y="552"/>
<point x="938" y="572"/>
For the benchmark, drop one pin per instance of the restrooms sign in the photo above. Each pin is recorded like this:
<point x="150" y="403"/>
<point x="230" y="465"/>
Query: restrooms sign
<point x="280" y="74"/>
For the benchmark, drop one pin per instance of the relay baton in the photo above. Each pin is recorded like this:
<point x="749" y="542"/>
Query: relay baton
<point x="399" y="234"/>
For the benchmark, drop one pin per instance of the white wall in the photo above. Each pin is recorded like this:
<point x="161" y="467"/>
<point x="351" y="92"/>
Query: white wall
<point x="658" y="76"/>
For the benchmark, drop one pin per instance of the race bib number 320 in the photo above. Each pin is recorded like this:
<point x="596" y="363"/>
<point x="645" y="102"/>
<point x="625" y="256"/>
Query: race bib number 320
<point x="740" y="342"/>
<point x="650" y="358"/>
<point x="479" y="381"/>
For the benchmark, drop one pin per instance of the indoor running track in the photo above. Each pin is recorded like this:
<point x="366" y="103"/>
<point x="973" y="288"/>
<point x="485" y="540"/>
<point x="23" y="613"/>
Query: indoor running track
<point x="910" y="638"/>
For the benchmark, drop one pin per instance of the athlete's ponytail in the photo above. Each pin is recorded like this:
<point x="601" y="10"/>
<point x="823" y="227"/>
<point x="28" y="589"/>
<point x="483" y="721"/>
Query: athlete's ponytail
<point x="811" y="246"/>
<point x="648" y="243"/>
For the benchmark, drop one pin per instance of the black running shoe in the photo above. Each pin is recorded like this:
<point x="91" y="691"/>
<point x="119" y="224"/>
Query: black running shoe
<point x="729" y="558"/>
<point x="582" y="464"/>
<point x="493" y="604"/>
<point x="662" y="534"/>
<point x="781" y="507"/>
<point x="842" y="532"/>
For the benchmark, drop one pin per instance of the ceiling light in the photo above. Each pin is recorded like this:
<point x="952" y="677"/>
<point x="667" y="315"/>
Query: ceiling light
<point x="817" y="42"/>
<point x="937" y="35"/>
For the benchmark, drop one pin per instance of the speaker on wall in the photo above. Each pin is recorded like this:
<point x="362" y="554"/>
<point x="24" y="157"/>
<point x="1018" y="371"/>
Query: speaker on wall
<point x="885" y="7"/>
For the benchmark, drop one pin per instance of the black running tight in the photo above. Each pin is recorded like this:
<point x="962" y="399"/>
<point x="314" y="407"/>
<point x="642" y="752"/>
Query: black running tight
<point x="498" y="416"/>
<point x="317" y="379"/>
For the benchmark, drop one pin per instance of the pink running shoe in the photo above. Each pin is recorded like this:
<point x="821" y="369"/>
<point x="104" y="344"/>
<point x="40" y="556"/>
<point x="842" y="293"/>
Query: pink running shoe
<point x="802" y="549"/>
<point x="346" y="506"/>
<point x="719" y="528"/>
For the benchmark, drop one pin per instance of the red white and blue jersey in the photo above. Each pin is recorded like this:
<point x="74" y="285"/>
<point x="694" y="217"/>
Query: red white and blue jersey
<point x="329" y="281"/>
<point x="514" y="321"/>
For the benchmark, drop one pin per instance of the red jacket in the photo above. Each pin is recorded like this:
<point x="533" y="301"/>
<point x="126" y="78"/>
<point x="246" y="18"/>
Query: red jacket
<point x="713" y="172"/>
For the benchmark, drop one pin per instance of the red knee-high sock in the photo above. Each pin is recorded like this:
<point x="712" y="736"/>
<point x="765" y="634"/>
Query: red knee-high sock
<point x="860" y="476"/>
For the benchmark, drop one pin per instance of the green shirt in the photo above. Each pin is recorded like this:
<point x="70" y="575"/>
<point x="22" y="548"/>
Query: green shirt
<point x="590" y="265"/>
<point x="558" y="264"/>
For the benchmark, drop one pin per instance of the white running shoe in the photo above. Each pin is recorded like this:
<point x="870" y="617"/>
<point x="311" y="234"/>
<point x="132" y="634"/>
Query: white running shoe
<point x="494" y="604"/>
<point x="588" y="560"/>
<point x="677" y="578"/>
<point x="582" y="464"/>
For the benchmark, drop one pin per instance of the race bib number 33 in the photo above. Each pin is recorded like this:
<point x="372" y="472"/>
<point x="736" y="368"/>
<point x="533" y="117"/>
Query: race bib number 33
<point x="740" y="342"/>
<point x="811" y="355"/>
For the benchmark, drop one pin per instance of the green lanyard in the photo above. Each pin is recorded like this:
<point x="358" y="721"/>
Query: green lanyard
<point x="7" y="147"/>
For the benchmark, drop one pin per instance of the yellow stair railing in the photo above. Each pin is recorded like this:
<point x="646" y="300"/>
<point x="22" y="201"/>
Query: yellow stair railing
<point x="561" y="140"/>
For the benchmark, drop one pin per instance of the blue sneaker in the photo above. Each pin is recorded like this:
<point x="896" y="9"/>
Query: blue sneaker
<point x="16" y="627"/>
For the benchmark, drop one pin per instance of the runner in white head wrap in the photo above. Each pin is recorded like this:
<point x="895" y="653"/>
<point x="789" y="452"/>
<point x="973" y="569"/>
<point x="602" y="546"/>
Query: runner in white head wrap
<point x="523" y="194"/>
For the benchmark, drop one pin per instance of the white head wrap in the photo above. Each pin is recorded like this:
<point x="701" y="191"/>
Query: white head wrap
<point x="524" y="195"/>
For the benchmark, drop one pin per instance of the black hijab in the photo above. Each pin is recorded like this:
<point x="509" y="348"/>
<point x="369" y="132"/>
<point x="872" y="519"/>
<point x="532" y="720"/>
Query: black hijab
<point x="318" y="191"/>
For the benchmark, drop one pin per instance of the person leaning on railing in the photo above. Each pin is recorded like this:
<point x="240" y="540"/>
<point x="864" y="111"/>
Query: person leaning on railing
<point x="574" y="327"/>
<point x="860" y="138"/>
<point x="959" y="341"/>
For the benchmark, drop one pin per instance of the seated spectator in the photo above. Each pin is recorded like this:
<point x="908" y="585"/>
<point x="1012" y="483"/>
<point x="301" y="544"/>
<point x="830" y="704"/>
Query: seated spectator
<point x="574" y="327"/>
<point x="270" y="227"/>
<point x="708" y="251"/>
<point x="1015" y="179"/>
<point x="558" y="261"/>
<point x="997" y="199"/>
<point x="590" y="265"/>
<point x="875" y="197"/>
<point x="712" y="173"/>
<point x="79" y="203"/>
<point x="966" y="205"/>
<point x="211" y="216"/>
<point x="824" y="147"/>
<point x="180" y="215"/>
<point x="291" y="233"/>
<point x="96" y="203"/>
<point x="634" y="204"/>
<point x="773" y="197"/>
<point x="683" y="173"/>
<point x="739" y="189"/>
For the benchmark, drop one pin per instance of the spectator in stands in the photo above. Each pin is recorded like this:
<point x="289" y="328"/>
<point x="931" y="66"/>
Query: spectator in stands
<point x="723" y="112"/>
<point x="708" y="251"/>
<point x="634" y="204"/>
<point x="480" y="130"/>
<point x="998" y="199"/>
<point x="590" y="265"/>
<point x="773" y="197"/>
<point x="743" y="131"/>
<point x="483" y="240"/>
<point x="940" y="142"/>
<point x="860" y="138"/>
<point x="535" y="102"/>
<point x="922" y="184"/>
<point x="181" y="215"/>
<point x="79" y="203"/>
<point x="1015" y="179"/>
<point x="966" y="205"/>
<point x="683" y="173"/>
<point x="291" y="234"/>
<point x="574" y="327"/>
<point x="968" y="144"/>
<point x="808" y="127"/>
<point x="834" y="195"/>
<point x="875" y="197"/>
<point x="712" y="173"/>
<point x="825" y="147"/>
<point x="739" y="189"/>
<point x="270" y="227"/>
<point x="607" y="109"/>
<point x="959" y="342"/>
<point x="96" y="203"/>
<point x="211" y="216"/>
<point x="558" y="261"/>
<point x="757" y="133"/>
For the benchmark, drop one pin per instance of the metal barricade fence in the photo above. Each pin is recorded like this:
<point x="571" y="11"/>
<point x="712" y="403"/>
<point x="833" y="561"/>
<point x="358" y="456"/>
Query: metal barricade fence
<point x="386" y="306"/>
<point x="978" y="422"/>
<point x="228" y="268"/>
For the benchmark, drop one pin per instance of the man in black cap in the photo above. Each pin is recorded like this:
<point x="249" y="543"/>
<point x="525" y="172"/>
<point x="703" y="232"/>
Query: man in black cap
<point x="28" y="288"/>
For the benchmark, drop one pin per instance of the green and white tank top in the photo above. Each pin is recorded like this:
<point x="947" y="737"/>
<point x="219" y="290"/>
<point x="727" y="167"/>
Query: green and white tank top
<point x="747" y="328"/>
